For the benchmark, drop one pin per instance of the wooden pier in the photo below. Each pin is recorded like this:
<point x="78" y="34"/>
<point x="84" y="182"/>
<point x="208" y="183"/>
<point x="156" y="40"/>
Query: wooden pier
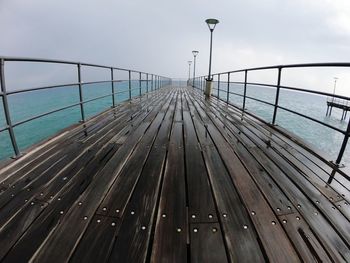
<point x="340" y="104"/>
<point x="172" y="177"/>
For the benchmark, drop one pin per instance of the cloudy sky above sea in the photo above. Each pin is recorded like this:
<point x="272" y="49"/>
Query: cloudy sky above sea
<point x="158" y="35"/>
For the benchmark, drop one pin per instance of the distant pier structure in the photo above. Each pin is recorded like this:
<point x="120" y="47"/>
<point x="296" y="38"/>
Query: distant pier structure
<point x="338" y="103"/>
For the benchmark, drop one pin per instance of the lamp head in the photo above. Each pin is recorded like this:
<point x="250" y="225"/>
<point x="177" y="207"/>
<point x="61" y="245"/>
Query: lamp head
<point x="189" y="62"/>
<point x="195" y="53"/>
<point x="211" y="22"/>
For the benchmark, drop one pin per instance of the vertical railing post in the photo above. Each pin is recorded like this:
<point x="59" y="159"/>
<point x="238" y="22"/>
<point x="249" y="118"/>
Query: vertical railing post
<point x="277" y="95"/>
<point x="152" y="83"/>
<point x="112" y="79"/>
<point x="140" y="76"/>
<point x="218" y="85"/>
<point x="344" y="144"/>
<point x="81" y="100"/>
<point x="245" y="89"/>
<point x="228" y="87"/>
<point x="147" y="82"/>
<point x="6" y="108"/>
<point x="341" y="152"/>
<point x="129" y="84"/>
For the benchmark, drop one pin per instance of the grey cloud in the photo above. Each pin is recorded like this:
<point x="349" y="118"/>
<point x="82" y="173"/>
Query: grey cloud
<point x="158" y="35"/>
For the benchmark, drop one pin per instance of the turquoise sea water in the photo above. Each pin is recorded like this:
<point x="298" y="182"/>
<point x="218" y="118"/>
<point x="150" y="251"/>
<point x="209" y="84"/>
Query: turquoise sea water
<point x="26" y="105"/>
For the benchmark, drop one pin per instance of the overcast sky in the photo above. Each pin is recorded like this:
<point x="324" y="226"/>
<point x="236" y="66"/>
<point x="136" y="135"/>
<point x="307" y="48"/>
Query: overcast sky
<point x="158" y="35"/>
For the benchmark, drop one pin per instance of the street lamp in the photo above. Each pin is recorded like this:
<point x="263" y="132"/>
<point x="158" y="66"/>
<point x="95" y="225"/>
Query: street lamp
<point x="211" y="22"/>
<point x="189" y="70"/>
<point x="195" y="53"/>
<point x="335" y="85"/>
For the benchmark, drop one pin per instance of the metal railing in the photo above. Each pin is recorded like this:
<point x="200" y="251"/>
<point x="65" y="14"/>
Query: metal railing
<point x="199" y="83"/>
<point x="153" y="82"/>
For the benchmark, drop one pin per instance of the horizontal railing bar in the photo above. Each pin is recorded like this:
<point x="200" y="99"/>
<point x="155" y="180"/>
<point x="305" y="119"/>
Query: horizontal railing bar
<point x="261" y="84"/>
<point x="62" y="86"/>
<point x="306" y="65"/>
<point x="42" y="88"/>
<point x="296" y="89"/>
<point x="97" y="98"/>
<point x="69" y="106"/>
<point x="41" y="60"/>
<point x="45" y="114"/>
<point x="4" y="129"/>
<point x="234" y="93"/>
<point x="316" y="92"/>
<point x="313" y="119"/>
<point x="252" y="98"/>
<point x="297" y="113"/>
<point x="262" y="101"/>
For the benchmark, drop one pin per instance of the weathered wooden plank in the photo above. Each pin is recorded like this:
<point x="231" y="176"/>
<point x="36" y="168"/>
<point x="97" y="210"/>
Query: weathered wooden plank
<point x="24" y="165"/>
<point x="205" y="137"/>
<point x="316" y="221"/>
<point x="306" y="243"/>
<point x="270" y="232"/>
<point x="171" y="229"/>
<point x="134" y="236"/>
<point x="67" y="198"/>
<point x="313" y="193"/>
<point x="200" y="198"/>
<point x="292" y="150"/>
<point x="10" y="233"/>
<point x="17" y="169"/>
<point x="206" y="243"/>
<point x="330" y="238"/>
<point x="95" y="245"/>
<point x="70" y="150"/>
<point x="239" y="232"/>
<point x="287" y="150"/>
<point x="38" y="186"/>
<point x="276" y="198"/>
<point x="123" y="186"/>
<point x="50" y="218"/>
<point x="67" y="234"/>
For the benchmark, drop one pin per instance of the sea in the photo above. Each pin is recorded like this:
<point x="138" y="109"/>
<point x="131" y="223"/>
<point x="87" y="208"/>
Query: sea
<point x="26" y="105"/>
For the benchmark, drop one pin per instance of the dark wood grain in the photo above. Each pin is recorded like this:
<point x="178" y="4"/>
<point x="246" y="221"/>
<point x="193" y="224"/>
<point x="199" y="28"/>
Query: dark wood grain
<point x="173" y="177"/>
<point x="200" y="198"/>
<point x="133" y="239"/>
<point x="207" y="244"/>
<point x="170" y="238"/>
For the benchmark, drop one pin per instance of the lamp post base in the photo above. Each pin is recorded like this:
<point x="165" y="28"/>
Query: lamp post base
<point x="208" y="88"/>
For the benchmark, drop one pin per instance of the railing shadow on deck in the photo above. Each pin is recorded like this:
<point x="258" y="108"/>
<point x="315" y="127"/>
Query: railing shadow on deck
<point x="136" y="83"/>
<point x="224" y="89"/>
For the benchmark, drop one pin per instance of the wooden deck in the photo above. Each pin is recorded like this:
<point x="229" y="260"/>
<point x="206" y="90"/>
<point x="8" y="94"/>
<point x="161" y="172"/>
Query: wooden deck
<point x="171" y="177"/>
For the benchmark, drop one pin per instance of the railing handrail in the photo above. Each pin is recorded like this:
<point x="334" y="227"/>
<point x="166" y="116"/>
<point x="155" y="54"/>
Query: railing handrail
<point x="156" y="81"/>
<point x="302" y="65"/>
<point x="276" y="105"/>
<point x="56" y="61"/>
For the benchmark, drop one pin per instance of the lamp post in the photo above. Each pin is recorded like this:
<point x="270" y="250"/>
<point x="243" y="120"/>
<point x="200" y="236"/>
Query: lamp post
<point x="335" y="85"/>
<point x="195" y="53"/>
<point x="189" y="71"/>
<point x="211" y="22"/>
